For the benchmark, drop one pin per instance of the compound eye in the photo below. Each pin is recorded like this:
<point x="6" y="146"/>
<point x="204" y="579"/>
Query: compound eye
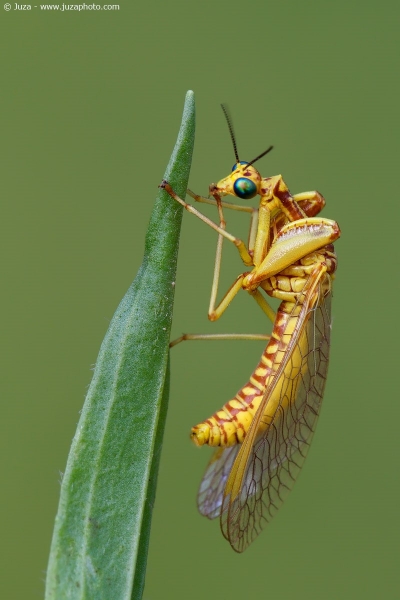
<point x="244" y="188"/>
<point x="235" y="166"/>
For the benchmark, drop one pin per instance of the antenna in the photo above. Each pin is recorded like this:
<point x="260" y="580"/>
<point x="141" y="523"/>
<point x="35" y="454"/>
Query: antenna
<point x="260" y="155"/>
<point x="229" y="121"/>
<point x="230" y="125"/>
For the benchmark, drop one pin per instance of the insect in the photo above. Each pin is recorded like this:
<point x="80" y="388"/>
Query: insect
<point x="263" y="434"/>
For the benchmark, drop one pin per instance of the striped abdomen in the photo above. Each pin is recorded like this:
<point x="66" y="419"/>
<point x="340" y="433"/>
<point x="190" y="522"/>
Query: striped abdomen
<point x="229" y="425"/>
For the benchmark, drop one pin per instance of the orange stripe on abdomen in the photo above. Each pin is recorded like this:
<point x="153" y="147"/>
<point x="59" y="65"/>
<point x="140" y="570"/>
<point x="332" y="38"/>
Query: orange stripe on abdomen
<point x="229" y="425"/>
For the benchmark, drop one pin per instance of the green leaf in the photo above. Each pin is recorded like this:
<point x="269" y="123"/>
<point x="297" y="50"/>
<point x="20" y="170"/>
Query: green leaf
<point x="101" y="534"/>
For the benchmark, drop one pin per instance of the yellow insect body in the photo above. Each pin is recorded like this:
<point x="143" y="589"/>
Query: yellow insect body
<point x="229" y="425"/>
<point x="263" y="434"/>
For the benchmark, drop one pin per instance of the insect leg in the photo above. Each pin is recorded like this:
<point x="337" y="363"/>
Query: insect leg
<point x="214" y="311"/>
<point x="229" y="205"/>
<point x="248" y="209"/>
<point x="294" y="241"/>
<point x="311" y="202"/>
<point x="263" y="304"/>
<point x="240" y="245"/>
<point x="219" y="336"/>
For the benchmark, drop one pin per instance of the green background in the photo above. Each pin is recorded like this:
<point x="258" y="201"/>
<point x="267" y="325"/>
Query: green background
<point x="91" y="105"/>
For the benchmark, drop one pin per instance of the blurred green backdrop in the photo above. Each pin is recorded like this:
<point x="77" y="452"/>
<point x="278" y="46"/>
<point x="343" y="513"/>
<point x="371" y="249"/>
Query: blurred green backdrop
<point x="91" y="105"/>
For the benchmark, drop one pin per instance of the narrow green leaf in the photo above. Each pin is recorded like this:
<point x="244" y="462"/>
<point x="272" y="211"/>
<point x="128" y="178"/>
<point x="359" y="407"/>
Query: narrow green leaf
<point x="101" y="534"/>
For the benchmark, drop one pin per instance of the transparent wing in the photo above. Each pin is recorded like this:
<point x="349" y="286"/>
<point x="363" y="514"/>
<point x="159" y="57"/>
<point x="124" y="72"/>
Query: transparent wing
<point x="209" y="499"/>
<point x="268" y="464"/>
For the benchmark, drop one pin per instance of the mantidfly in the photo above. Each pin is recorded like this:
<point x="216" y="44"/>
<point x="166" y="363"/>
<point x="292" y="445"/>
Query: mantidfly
<point x="263" y="434"/>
